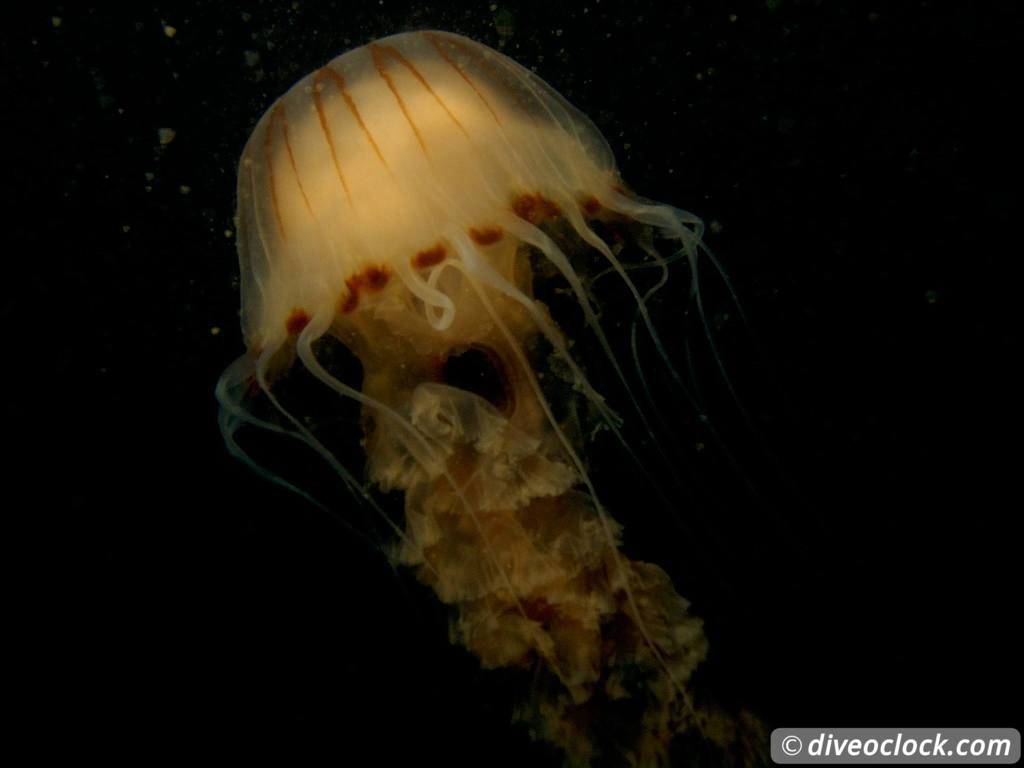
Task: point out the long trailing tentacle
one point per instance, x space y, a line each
584 476
303 433
233 415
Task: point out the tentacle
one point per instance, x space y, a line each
577 463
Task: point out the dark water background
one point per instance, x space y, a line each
856 162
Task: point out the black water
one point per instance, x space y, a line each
855 165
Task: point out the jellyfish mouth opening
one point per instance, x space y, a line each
479 370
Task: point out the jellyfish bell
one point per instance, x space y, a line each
404 201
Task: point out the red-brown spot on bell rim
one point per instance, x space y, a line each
375 278
534 208
430 256
486 235
297 321
370 280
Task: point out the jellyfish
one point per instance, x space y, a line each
402 204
